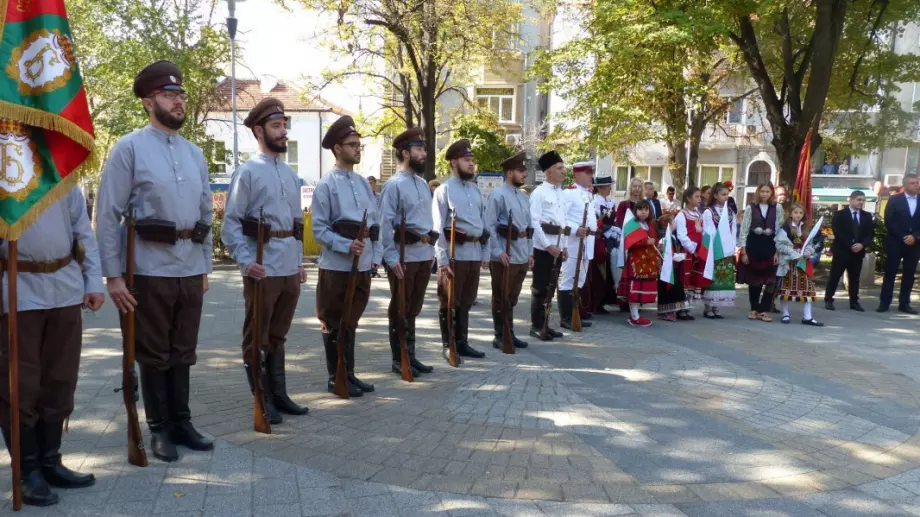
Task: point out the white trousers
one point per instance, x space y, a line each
567 274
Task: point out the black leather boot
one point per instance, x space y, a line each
445 335
274 363
396 350
181 430
564 304
271 412
35 489
537 311
462 333
156 406
410 343
350 357
332 357
499 326
49 435
517 342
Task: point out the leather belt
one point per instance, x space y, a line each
425 238
515 233
552 229
46 266
281 234
463 238
184 234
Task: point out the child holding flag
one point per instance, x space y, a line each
793 242
719 249
689 227
672 301
642 262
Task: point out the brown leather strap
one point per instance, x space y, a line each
281 234
47 266
184 234
551 229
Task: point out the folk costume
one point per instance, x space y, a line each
796 284
547 215
721 292
600 289
575 199
759 228
672 299
689 223
639 283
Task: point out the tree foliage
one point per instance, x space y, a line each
418 50
486 138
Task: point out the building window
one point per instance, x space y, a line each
913 156
622 178
709 175
735 112
291 155
219 157
497 100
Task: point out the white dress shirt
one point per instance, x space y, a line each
546 206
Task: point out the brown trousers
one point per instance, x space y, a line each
466 285
167 317
49 361
330 306
417 274
278 303
518 274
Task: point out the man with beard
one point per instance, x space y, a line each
340 201
504 200
575 199
407 193
547 211
266 186
164 177
460 196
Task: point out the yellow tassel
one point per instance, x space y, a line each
13 231
48 121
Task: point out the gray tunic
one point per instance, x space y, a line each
264 182
505 198
406 191
343 195
51 238
165 177
464 199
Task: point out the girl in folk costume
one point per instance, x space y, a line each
673 304
600 285
796 284
721 292
759 228
642 264
689 225
636 191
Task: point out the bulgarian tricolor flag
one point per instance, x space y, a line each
46 133
667 260
718 242
803 263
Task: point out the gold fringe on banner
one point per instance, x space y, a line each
48 121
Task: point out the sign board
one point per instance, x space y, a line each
539 177
306 196
489 181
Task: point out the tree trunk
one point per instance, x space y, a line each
788 149
428 125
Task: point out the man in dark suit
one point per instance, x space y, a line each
650 196
902 220
853 231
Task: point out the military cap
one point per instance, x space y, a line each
162 75
459 149
267 109
409 138
587 167
549 159
516 162
603 179
341 129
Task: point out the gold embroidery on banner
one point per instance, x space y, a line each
18 157
57 50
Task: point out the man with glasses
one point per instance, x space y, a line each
164 177
341 199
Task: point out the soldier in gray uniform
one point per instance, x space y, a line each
504 200
339 202
460 196
266 185
59 273
165 178
407 193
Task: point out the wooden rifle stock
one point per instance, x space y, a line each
406 367
260 421
136 454
13 341
341 372
452 358
551 289
507 344
576 296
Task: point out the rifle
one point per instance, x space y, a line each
507 344
341 372
260 422
551 289
452 358
405 369
136 454
576 297
13 340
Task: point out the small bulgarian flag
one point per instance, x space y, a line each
46 132
667 262
718 243
803 263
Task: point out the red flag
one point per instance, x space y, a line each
802 192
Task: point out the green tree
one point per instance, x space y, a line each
486 138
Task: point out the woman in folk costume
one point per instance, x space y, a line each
795 283
721 292
643 262
689 225
636 191
759 228
673 304
600 276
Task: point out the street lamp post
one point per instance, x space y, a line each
231 28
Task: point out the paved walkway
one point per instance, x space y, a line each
735 418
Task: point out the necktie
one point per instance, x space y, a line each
855 226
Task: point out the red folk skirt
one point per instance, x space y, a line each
640 276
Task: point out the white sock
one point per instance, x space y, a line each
784 306
806 311
706 307
634 310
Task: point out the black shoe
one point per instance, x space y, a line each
156 405
419 366
445 352
813 323
353 390
49 436
274 363
855 306
829 305
539 335
553 333
882 308
361 385
181 431
410 344
396 367
163 449
497 343
709 315
586 316
517 342
785 320
907 309
461 333
271 412
184 433
465 350
35 489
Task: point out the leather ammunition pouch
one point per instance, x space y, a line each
251 229
530 233
157 230
552 229
298 230
503 232
78 252
414 238
463 238
350 230
200 232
